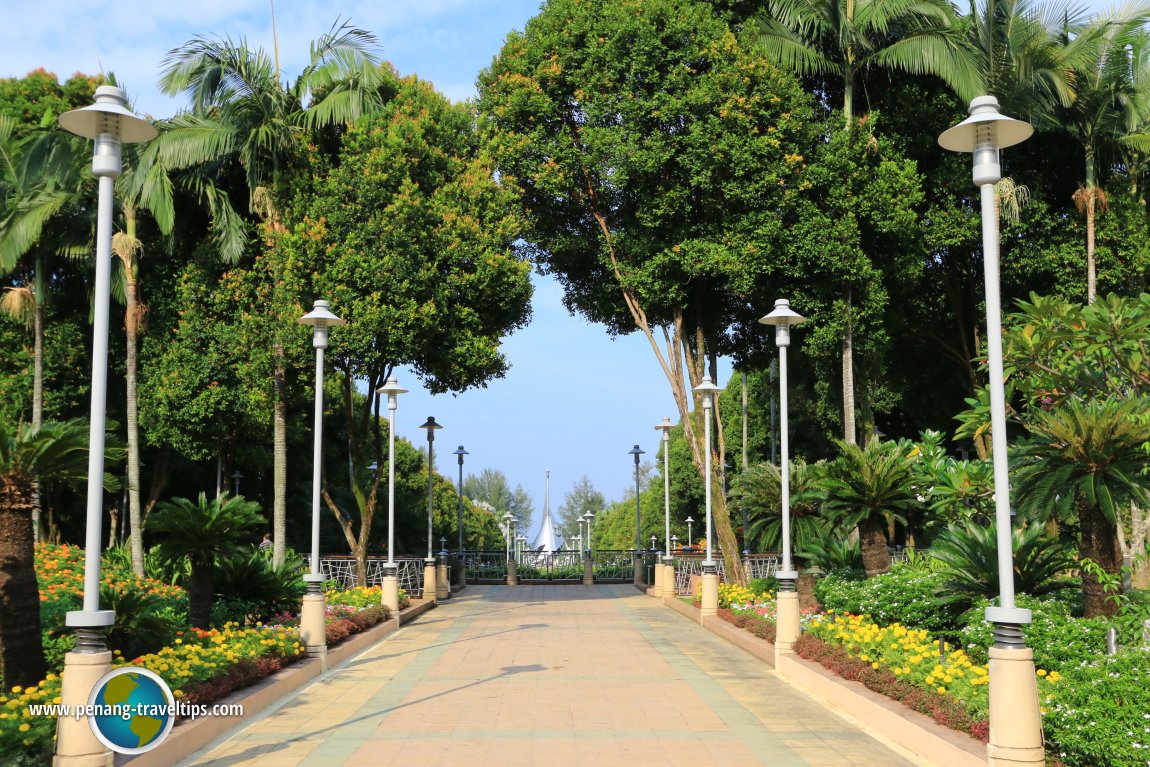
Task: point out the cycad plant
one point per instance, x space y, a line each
832 553
1087 458
758 490
870 487
969 555
203 532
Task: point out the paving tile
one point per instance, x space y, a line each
550 675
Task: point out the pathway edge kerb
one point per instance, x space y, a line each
190 737
884 717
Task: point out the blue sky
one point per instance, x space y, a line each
575 401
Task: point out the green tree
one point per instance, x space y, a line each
242 113
870 487
654 157
843 39
203 532
582 497
52 451
410 238
1088 457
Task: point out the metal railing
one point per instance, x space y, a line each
565 566
613 565
342 569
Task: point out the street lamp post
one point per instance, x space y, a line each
459 453
690 540
1015 717
783 317
391 569
312 617
110 124
430 589
668 567
588 561
512 577
709 604
236 477
636 452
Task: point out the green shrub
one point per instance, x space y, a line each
768 585
250 588
1100 714
905 595
1058 639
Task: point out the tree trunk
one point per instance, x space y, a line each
37 381
848 381
1099 544
1139 528
279 426
873 540
1091 276
20 646
135 520
200 585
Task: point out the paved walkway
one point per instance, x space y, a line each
550 675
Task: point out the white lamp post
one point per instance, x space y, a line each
512 576
636 452
690 540
110 124
709 604
590 515
391 569
430 588
788 601
668 562
311 623
459 453
1015 717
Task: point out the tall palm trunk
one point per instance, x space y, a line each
20 646
1091 276
127 247
873 541
279 459
37 380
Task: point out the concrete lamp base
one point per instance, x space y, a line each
390 598
669 586
1015 718
588 572
76 745
657 586
709 604
313 624
786 622
429 590
442 584
512 578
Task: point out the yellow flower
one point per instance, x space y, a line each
25 727
942 689
874 665
1042 672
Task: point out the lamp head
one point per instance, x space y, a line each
460 452
708 390
392 389
666 427
635 451
111 124
431 427
320 318
782 317
985 132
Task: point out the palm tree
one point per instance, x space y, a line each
871 487
242 113
1087 457
844 38
758 491
203 532
1104 108
56 451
